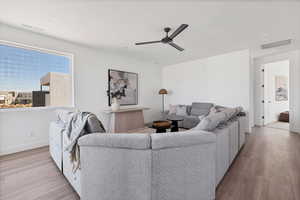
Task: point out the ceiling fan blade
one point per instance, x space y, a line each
176 46
178 30
151 42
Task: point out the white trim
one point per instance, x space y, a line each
292 56
26 109
264 82
70 56
34 48
24 147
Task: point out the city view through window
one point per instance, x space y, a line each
30 78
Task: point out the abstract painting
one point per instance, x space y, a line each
281 88
124 86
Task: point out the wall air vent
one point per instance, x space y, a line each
276 44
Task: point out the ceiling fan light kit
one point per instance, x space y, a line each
168 39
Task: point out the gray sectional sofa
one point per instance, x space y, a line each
170 166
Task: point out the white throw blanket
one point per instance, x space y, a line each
74 128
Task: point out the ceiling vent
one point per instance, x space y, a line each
32 28
276 44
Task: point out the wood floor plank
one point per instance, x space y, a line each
267 168
32 175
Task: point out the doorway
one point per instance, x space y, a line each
276 89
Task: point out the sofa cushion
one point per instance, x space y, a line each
229 112
190 121
188 109
181 139
181 110
200 108
220 108
212 111
210 122
94 125
232 112
117 140
172 109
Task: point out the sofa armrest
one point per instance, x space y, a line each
113 140
181 139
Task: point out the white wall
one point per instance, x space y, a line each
294 77
223 80
272 107
20 130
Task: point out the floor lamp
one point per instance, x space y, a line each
163 92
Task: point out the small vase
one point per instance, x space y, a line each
115 106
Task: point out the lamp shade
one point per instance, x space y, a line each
163 91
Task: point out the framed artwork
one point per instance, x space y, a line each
123 86
281 88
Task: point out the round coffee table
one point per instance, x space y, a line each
175 120
161 126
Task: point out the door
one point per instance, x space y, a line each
276 89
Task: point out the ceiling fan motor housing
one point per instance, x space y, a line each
167 29
166 40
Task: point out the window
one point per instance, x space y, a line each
34 78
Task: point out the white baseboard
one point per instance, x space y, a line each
24 147
295 130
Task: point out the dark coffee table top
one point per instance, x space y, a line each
175 118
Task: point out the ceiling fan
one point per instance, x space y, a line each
168 39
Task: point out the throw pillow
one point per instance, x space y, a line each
238 110
172 109
94 125
181 110
201 117
220 108
230 113
212 111
209 123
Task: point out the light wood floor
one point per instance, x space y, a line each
32 175
268 168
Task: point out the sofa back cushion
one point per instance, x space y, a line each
200 108
117 140
181 139
188 109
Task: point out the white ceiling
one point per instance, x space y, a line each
215 27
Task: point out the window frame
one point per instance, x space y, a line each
70 56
